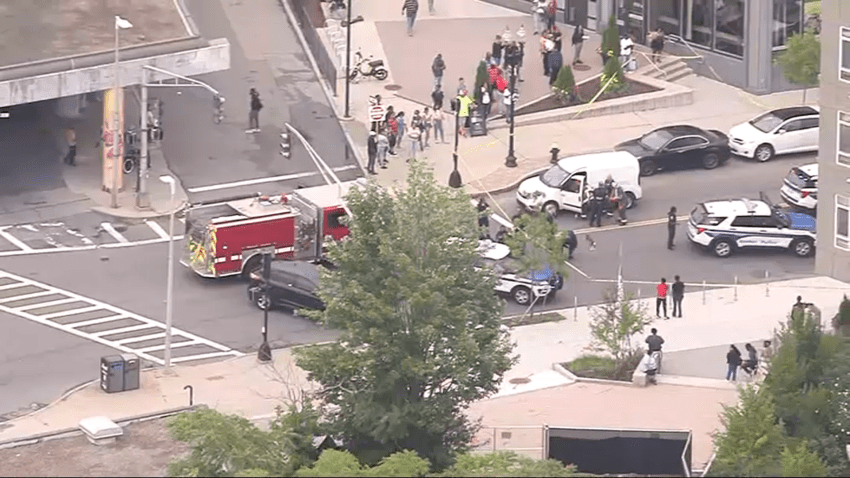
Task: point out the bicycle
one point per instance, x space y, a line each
218 109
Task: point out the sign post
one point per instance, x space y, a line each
377 113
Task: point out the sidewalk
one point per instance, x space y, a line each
245 387
481 160
86 178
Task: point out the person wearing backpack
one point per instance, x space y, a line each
254 113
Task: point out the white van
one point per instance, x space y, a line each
567 184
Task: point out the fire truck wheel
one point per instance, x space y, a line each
251 265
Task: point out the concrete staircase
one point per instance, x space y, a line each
670 68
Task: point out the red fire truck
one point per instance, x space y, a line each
228 237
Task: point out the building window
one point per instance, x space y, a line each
787 20
701 22
667 15
844 139
729 19
845 54
842 222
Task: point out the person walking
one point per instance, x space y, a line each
254 113
671 228
496 51
437 97
551 11
500 84
750 366
578 43
402 126
597 204
678 291
661 298
383 145
539 16
485 101
654 343
438 66
464 103
372 150
733 361
546 46
556 61
570 243
431 9
392 131
71 156
508 100
656 43
618 202
409 8
437 119
626 47
413 137
427 124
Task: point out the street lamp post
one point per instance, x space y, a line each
454 178
264 353
170 292
347 24
510 161
120 24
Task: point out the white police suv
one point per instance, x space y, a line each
523 288
726 226
800 188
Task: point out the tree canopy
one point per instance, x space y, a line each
421 334
800 61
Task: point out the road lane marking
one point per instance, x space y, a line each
251 182
157 229
213 349
106 226
578 270
14 240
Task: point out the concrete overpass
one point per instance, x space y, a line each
64 48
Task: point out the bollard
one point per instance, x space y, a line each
703 292
575 308
736 288
767 284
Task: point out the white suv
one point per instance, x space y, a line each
786 130
800 188
728 225
522 288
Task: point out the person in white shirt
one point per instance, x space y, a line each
485 101
626 49
540 16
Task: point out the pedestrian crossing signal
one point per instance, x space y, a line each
285 145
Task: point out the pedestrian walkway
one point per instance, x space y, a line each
245 387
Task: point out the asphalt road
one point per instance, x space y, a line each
266 55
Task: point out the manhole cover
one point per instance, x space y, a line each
392 87
519 381
580 67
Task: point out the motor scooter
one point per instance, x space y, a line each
367 67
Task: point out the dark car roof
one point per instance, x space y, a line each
304 269
793 112
684 130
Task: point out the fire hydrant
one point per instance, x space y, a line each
554 151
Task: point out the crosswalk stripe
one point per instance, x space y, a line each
14 240
190 358
123 330
13 285
86 323
112 232
48 304
130 340
158 229
26 296
174 345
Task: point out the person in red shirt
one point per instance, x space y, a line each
552 11
661 299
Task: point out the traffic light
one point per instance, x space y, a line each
284 145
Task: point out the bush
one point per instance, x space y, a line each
565 85
843 315
598 366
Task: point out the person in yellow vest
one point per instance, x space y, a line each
464 103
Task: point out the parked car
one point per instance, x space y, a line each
800 188
786 130
522 288
292 284
678 147
725 226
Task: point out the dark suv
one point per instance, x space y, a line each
292 284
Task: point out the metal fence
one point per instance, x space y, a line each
314 42
524 440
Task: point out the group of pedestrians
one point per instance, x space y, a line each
750 365
606 198
676 294
388 135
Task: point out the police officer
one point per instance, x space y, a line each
597 203
571 242
618 200
609 192
483 218
671 228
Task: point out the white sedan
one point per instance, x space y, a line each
786 130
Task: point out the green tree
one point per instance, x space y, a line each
537 243
420 329
800 461
481 79
565 85
800 62
333 463
506 463
841 321
225 445
612 79
752 441
611 38
403 464
614 323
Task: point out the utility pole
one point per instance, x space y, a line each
347 58
142 198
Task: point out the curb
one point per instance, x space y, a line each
68 432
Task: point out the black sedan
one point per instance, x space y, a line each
292 284
678 147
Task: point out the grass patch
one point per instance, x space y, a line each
586 91
598 366
533 319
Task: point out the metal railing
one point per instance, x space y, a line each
323 59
